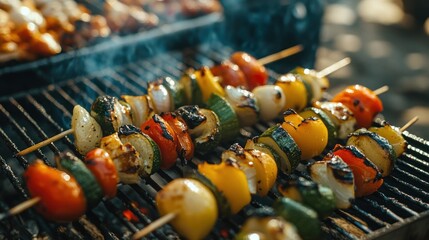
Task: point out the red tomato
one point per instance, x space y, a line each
61 197
256 74
103 168
163 134
230 74
364 104
185 146
367 177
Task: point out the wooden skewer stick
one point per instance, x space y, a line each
45 142
334 67
279 55
154 225
20 208
409 123
381 90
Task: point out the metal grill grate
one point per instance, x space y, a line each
30 118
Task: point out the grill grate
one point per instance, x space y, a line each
30 118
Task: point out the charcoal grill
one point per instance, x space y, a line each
399 210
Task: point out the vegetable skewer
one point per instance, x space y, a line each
21 207
268 59
168 217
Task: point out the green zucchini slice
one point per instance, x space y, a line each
75 167
191 88
283 144
229 125
176 90
304 218
376 148
149 152
311 194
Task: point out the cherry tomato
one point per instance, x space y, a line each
185 146
230 74
256 74
163 134
61 197
364 104
367 177
100 164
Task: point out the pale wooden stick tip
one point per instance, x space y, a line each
280 55
381 90
409 123
24 206
44 143
154 225
334 67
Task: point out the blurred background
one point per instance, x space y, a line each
388 42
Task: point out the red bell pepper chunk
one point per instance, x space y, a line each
367 177
364 104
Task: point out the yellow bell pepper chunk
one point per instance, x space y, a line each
208 83
230 180
294 90
310 134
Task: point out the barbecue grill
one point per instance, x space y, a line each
398 210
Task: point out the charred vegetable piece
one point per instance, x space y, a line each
176 92
149 152
334 173
194 219
165 137
340 115
204 127
256 74
250 144
141 107
318 197
208 83
283 144
271 100
330 126
185 146
75 167
297 93
110 113
310 134
222 176
125 157
161 99
222 203
376 148
364 104
264 224
244 104
61 197
318 84
229 74
259 167
393 136
229 126
192 89
103 168
87 132
305 219
367 177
